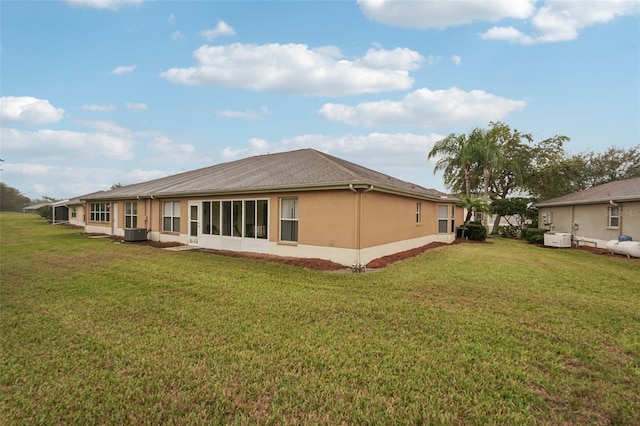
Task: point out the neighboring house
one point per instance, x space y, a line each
300 203
59 212
34 207
595 215
77 209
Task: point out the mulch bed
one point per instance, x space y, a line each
327 265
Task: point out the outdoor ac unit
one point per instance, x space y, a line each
135 234
557 239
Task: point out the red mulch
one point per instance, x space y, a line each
327 265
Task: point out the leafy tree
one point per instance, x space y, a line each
517 211
11 200
555 173
613 164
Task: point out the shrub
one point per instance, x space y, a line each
534 235
476 231
509 231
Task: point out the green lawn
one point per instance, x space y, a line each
100 333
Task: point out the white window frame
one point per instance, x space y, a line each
548 218
216 211
418 212
100 212
443 221
611 217
290 217
131 215
171 214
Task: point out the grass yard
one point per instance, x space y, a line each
507 333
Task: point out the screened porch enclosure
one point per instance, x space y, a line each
235 224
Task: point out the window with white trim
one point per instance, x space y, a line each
289 219
74 212
548 218
443 219
130 215
236 218
418 212
171 216
613 216
99 212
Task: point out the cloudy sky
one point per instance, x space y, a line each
98 92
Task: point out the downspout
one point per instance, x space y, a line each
357 267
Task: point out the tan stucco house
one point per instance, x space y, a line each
301 203
595 215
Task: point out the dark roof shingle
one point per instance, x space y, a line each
628 189
300 169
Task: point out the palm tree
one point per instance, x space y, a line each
456 155
487 154
474 205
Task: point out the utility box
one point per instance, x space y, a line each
135 234
557 239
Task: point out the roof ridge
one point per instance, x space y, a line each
335 162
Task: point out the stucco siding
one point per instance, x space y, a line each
390 218
561 218
326 218
589 223
630 219
343 226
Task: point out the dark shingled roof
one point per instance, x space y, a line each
304 169
628 189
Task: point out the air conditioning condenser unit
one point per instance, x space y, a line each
135 234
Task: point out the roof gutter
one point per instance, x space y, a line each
352 186
592 201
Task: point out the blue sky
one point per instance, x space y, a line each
97 92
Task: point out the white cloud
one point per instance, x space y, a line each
28 110
247 114
104 126
136 107
507 33
176 35
401 155
426 108
57 144
71 181
169 149
123 69
563 20
104 4
456 59
552 20
296 69
221 29
98 108
172 18
442 14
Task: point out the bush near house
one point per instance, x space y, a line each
534 235
476 231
